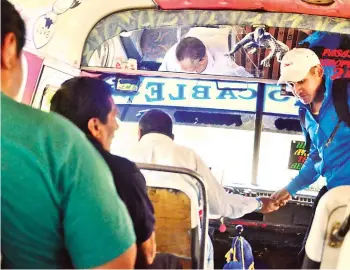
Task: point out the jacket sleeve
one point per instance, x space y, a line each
307 175
220 202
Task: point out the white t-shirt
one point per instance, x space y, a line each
218 64
159 149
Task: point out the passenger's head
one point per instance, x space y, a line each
156 121
88 103
12 43
301 70
192 55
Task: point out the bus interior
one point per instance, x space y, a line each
246 128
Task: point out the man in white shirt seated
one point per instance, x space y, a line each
191 55
156 145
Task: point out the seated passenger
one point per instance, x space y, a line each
59 208
88 103
193 56
156 145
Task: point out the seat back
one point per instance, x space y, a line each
322 248
173 221
178 195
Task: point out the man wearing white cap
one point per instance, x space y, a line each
329 132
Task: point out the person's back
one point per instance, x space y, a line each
131 187
58 201
164 151
88 103
156 146
49 219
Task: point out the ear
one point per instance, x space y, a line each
94 127
319 71
139 133
9 51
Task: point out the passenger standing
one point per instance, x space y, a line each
330 136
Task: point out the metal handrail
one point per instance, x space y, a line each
204 196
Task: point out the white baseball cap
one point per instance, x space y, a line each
296 64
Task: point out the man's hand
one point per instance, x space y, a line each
282 196
269 205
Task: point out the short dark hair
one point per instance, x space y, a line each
190 47
81 98
11 22
156 121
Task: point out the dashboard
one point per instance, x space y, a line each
302 199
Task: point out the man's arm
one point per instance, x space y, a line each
220 202
149 249
124 261
97 228
307 175
142 213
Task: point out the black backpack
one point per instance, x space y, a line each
340 100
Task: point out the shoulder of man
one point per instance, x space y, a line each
186 151
51 127
124 164
121 167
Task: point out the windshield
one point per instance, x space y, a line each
220 125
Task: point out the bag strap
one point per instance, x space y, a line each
340 97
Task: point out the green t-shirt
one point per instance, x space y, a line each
60 207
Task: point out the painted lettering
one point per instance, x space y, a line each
248 94
336 53
338 73
156 90
228 93
347 74
297 166
180 93
302 159
300 145
275 95
342 63
300 152
328 62
325 52
201 92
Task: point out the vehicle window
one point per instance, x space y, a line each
221 120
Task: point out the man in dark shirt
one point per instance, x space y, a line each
87 102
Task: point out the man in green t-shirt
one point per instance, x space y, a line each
58 200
